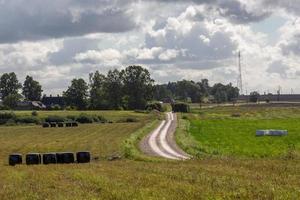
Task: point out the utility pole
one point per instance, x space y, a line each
240 78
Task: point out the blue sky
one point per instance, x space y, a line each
58 40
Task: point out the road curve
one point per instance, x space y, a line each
161 141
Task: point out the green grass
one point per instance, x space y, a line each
219 133
109 115
215 177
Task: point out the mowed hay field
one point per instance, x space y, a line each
207 177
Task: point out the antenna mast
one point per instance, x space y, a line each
240 80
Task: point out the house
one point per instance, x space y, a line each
51 101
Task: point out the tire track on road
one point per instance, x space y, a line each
161 141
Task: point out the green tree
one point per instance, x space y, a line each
113 88
9 84
11 100
98 96
32 90
138 86
77 94
161 92
254 97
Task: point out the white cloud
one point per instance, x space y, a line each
168 55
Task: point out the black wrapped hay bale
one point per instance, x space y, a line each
74 124
49 158
60 124
83 157
33 159
68 124
65 158
46 125
15 159
53 125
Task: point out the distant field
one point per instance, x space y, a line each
231 131
110 115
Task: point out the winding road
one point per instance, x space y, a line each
161 141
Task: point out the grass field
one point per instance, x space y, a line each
230 131
209 177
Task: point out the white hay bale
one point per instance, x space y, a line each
271 132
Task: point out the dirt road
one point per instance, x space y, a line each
161 141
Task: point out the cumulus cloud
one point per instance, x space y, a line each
237 11
58 40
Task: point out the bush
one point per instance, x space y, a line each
7 116
185 117
85 119
155 106
181 107
128 120
101 119
55 107
236 115
54 119
254 97
72 117
28 120
34 113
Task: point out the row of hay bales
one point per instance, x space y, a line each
50 158
59 124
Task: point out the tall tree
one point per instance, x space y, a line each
77 94
98 99
113 89
9 84
32 90
11 100
138 86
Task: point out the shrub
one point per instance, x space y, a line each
7 116
128 120
54 118
181 107
28 120
254 97
72 117
34 113
101 119
185 117
236 115
154 106
55 107
85 119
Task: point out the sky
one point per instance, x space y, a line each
58 40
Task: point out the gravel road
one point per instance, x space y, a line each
161 141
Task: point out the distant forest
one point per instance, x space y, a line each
130 88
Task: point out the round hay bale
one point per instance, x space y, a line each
59 124
53 125
49 158
46 125
15 159
83 157
68 124
33 159
65 157
74 124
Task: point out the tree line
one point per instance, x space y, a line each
130 88
196 92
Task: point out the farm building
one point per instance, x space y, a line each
53 101
30 105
